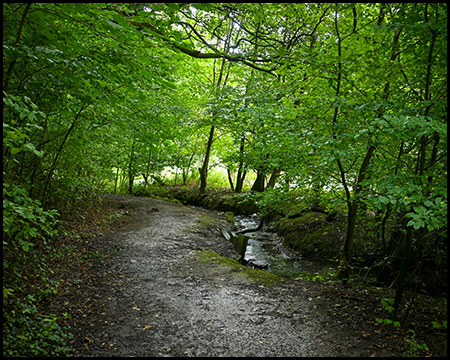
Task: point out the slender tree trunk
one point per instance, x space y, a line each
186 170
122 178
204 169
148 169
18 35
178 164
352 205
240 181
382 272
117 178
240 174
402 279
230 180
130 169
58 154
352 202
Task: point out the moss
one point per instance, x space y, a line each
215 199
229 216
176 201
206 221
312 235
260 276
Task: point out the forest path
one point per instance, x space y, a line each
154 298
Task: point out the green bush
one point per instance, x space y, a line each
27 333
27 230
24 221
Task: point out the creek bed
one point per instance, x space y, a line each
265 250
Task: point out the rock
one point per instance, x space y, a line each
258 264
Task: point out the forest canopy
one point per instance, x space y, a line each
345 103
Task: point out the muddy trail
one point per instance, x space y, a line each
158 296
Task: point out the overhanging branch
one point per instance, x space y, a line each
198 54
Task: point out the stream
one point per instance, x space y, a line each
265 250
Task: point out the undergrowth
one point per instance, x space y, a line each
39 248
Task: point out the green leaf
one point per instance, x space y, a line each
112 23
120 20
144 60
420 223
203 6
29 147
26 245
383 199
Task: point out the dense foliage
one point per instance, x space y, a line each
345 104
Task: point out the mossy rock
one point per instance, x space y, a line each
312 236
216 199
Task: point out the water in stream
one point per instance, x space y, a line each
265 248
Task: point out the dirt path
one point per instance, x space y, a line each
154 298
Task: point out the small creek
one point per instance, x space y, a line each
265 248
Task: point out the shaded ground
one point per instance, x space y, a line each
157 296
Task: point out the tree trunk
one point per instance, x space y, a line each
177 165
343 269
186 170
352 205
148 170
403 276
401 280
204 169
122 178
240 181
230 180
130 170
11 64
275 175
240 174
258 185
117 178
58 154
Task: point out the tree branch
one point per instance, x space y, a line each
18 35
198 54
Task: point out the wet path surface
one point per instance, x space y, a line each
154 298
